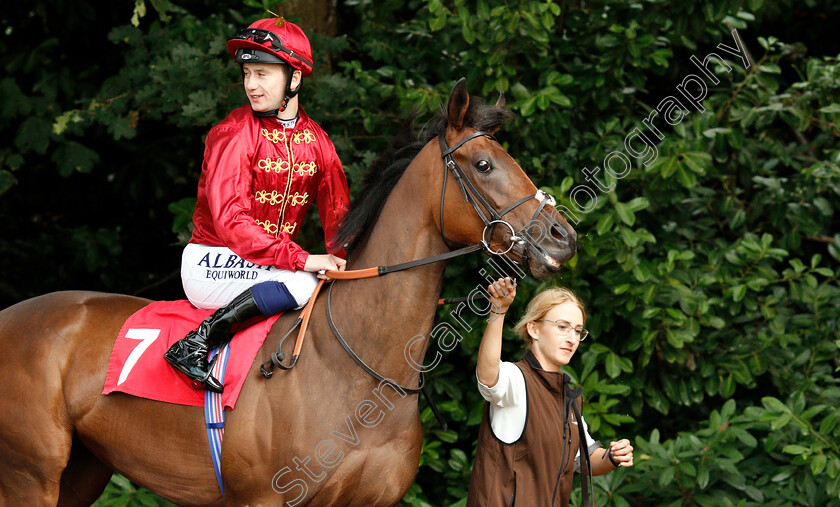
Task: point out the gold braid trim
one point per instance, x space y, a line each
274 198
268 226
304 136
277 165
275 136
302 168
289 227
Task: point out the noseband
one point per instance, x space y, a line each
492 218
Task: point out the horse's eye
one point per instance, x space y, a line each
483 166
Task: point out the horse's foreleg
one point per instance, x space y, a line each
84 479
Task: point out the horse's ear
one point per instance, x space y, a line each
501 101
459 102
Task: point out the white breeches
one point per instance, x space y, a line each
214 275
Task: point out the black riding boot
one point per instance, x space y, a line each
189 355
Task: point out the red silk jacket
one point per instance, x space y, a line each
257 182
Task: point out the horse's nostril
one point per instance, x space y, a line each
558 233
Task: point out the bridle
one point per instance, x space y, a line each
491 218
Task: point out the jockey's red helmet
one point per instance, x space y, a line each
273 40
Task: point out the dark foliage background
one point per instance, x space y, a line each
711 275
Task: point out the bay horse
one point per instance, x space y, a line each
323 433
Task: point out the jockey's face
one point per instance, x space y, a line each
265 84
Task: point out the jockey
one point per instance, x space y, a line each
263 166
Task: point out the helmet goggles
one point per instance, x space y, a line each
261 36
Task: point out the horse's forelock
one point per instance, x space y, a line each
385 171
484 117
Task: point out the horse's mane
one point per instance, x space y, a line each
386 171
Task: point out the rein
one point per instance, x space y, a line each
421 388
472 196
277 357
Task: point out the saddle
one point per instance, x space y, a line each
137 367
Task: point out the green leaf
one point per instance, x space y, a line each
738 292
604 224
33 135
625 214
124 127
628 237
795 449
369 124
818 462
824 206
661 56
555 78
638 204
621 289
829 422
666 476
717 322
183 211
561 100
770 68
782 476
745 438
163 7
437 23
448 436
611 366
702 476
711 133
7 181
73 157
781 421
754 493
528 107
686 178
13 102
64 119
139 12
687 468
833 108
774 404
727 386
668 167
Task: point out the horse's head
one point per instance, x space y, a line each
489 198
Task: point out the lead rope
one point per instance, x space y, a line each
586 465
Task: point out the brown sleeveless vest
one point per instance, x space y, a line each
537 470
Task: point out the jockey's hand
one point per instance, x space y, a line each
622 452
322 262
502 291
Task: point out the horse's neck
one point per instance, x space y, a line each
391 310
